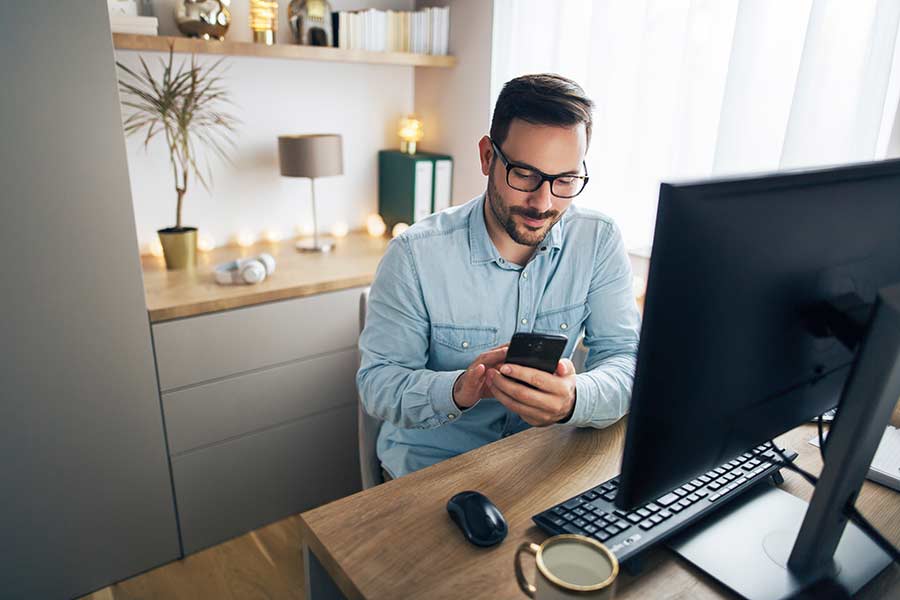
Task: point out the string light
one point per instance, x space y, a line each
155 248
340 229
245 239
375 225
398 229
271 236
206 242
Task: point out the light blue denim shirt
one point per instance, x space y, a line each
442 295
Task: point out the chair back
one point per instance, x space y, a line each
367 425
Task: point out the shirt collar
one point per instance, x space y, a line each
482 249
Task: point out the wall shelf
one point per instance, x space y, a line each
161 43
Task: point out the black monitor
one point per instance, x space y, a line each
749 280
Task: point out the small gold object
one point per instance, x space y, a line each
206 19
264 21
410 132
179 247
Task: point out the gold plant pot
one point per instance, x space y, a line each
179 247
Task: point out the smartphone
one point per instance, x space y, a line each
536 350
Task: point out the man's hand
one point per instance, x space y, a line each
470 386
550 399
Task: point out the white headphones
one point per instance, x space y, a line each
246 270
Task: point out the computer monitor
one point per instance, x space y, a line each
735 346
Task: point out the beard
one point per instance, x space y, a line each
519 232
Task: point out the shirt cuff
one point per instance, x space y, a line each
581 417
441 396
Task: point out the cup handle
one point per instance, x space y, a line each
526 587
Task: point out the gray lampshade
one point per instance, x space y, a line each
315 155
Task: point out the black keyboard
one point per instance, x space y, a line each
627 533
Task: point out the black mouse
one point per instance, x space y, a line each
480 521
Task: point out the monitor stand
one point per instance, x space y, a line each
746 547
749 548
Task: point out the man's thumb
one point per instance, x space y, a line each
565 367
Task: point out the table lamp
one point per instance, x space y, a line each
316 155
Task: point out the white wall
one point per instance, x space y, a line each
455 104
361 102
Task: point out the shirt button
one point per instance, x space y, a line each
564 326
524 321
524 275
501 261
451 416
465 344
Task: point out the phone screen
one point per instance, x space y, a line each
536 350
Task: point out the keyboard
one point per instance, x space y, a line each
627 533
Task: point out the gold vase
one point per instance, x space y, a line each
179 247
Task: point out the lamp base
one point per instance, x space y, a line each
324 245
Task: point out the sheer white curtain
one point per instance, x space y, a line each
693 88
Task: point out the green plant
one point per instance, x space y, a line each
183 105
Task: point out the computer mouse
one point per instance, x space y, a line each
480 520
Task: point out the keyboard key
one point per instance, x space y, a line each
652 507
688 488
614 482
622 525
734 463
693 498
668 499
740 481
714 497
590 528
590 517
676 508
621 513
643 512
590 495
647 524
601 535
569 528
580 523
633 518
573 503
715 485
656 519
558 521
556 510
610 518
705 478
608 486
609 496
664 514
702 493
579 511
680 493
683 504
612 530
721 470
696 483
569 516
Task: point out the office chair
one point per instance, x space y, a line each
367 425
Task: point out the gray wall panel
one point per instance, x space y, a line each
201 348
201 415
230 488
86 494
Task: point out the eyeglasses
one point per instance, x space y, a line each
527 179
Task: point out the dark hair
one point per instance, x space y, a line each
543 99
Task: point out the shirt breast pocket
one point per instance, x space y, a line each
464 338
566 320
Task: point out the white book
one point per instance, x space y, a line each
443 181
422 198
136 21
885 467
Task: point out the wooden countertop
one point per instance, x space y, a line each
395 540
176 294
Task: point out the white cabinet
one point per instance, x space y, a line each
260 412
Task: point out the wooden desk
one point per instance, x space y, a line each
396 540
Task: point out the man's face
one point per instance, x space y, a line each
527 217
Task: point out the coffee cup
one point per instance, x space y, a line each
567 567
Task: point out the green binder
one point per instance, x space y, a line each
412 186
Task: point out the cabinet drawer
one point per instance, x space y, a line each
202 348
228 489
213 412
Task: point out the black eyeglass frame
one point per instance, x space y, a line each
544 177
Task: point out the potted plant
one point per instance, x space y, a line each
183 106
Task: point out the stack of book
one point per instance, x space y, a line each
130 24
425 31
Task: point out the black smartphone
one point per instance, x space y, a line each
536 350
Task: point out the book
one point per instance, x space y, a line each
885 467
412 186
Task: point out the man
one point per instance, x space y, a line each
458 284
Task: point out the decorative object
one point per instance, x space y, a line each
310 22
398 229
410 132
205 243
183 105
312 156
206 19
376 226
264 21
340 230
